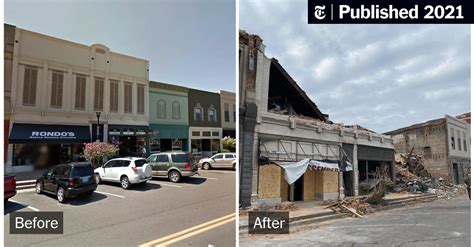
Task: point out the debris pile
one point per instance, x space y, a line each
411 176
355 207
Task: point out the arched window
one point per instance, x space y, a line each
212 114
198 112
161 109
176 110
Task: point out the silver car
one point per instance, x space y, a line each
220 160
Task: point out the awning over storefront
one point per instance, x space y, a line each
162 131
294 170
40 133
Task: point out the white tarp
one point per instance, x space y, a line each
294 170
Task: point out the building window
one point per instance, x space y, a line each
464 141
57 89
80 95
453 142
114 86
176 110
198 112
226 113
140 99
29 86
127 89
458 134
99 94
206 133
427 152
161 109
233 109
196 133
211 114
215 133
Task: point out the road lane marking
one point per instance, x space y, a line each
178 236
25 191
26 205
170 185
109 194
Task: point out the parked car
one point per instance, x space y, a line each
67 181
174 165
126 171
220 160
9 182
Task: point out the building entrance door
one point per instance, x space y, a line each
455 173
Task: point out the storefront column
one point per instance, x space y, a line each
341 186
9 158
355 168
106 132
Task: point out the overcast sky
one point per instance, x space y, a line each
190 43
382 77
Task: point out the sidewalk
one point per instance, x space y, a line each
315 209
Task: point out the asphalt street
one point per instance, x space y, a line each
145 215
438 223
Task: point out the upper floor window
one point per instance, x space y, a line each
161 110
233 112
226 113
29 86
198 112
211 114
57 89
464 141
453 142
99 94
176 110
114 86
458 133
80 94
127 89
140 99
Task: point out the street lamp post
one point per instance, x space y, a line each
97 114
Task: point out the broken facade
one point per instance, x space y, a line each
279 123
443 143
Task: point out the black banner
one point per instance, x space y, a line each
390 12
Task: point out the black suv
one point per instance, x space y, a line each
67 180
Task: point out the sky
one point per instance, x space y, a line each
382 77
188 43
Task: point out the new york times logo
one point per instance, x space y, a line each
319 12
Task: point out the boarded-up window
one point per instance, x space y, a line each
176 110
114 96
161 109
80 95
140 99
464 141
99 94
128 98
29 86
57 89
458 133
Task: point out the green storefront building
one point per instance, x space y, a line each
169 125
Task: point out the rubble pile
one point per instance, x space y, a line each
407 181
353 206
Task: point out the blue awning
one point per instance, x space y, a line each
40 133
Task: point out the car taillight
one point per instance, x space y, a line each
187 166
72 181
134 168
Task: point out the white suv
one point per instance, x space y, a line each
126 171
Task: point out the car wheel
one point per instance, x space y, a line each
97 178
60 195
39 188
206 166
124 182
174 176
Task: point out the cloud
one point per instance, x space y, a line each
380 76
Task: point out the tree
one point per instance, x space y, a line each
96 151
228 144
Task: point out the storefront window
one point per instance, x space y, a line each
196 148
177 144
46 155
216 145
155 145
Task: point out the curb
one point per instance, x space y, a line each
321 217
26 184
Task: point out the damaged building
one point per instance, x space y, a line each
443 143
289 149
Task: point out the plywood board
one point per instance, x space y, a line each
269 179
309 191
284 188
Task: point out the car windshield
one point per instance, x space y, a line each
180 158
140 162
81 171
